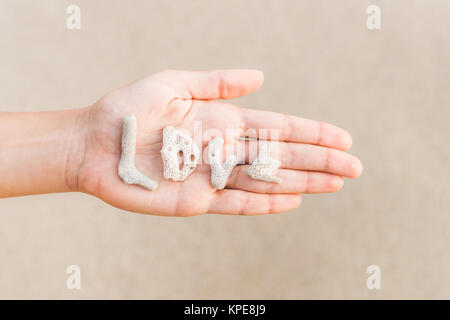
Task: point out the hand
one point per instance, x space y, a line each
311 153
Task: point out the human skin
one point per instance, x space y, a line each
79 150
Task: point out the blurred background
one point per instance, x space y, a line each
389 88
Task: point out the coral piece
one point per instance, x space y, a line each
175 141
263 166
219 172
127 169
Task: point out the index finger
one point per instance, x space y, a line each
294 129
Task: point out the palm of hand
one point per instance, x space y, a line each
178 99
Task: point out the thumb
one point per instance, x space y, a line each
217 84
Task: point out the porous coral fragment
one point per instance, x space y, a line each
219 172
127 169
175 141
264 165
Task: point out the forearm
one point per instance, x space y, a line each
40 152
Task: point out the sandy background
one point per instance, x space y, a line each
389 88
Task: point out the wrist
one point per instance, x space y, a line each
76 151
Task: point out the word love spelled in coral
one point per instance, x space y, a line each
176 142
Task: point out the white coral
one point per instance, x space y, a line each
175 141
264 165
127 169
219 172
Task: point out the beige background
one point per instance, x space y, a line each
389 88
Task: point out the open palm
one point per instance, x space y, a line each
311 153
